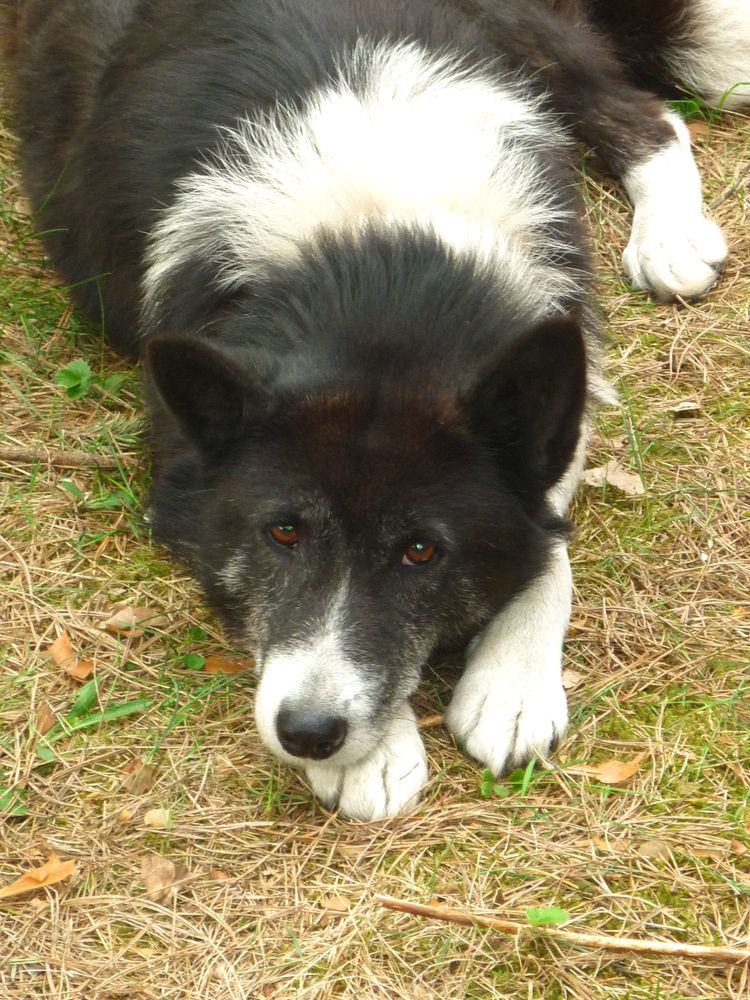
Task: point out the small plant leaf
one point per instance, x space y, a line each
11 802
546 916
76 378
193 661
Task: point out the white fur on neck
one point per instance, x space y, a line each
400 137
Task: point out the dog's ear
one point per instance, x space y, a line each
529 403
213 398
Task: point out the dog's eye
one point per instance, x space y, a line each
418 553
285 534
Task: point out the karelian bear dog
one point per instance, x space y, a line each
346 240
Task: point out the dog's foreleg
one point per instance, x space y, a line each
674 249
387 782
510 702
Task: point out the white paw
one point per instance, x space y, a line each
674 253
506 711
387 782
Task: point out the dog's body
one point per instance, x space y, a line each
347 239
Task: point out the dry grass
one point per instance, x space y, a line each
661 638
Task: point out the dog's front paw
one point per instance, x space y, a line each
671 253
387 782
504 714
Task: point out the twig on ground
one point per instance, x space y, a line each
582 938
62 459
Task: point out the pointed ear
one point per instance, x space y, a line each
212 397
529 404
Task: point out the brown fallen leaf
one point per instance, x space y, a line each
685 409
738 847
571 679
161 877
138 777
697 128
430 721
227 665
62 650
45 720
53 871
335 904
81 670
133 621
613 474
156 818
65 656
218 875
654 849
611 772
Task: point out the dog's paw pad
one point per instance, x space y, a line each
671 256
502 724
387 782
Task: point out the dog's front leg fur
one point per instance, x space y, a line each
510 702
386 782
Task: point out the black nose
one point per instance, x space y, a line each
305 732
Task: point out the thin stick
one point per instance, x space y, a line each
61 459
582 938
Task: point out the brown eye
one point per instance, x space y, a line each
285 534
418 553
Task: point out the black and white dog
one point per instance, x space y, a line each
345 237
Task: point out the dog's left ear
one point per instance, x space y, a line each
529 403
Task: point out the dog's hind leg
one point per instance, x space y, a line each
510 702
674 249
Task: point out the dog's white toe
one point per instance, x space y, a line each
673 255
387 782
504 717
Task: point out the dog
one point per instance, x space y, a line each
346 240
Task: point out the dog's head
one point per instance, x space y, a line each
345 531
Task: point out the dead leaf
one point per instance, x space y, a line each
430 721
62 650
127 621
45 720
53 871
571 679
738 847
138 777
654 849
611 772
335 904
125 815
613 474
217 875
156 818
227 665
80 670
65 656
160 877
697 128
685 409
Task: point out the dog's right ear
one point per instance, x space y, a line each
213 398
